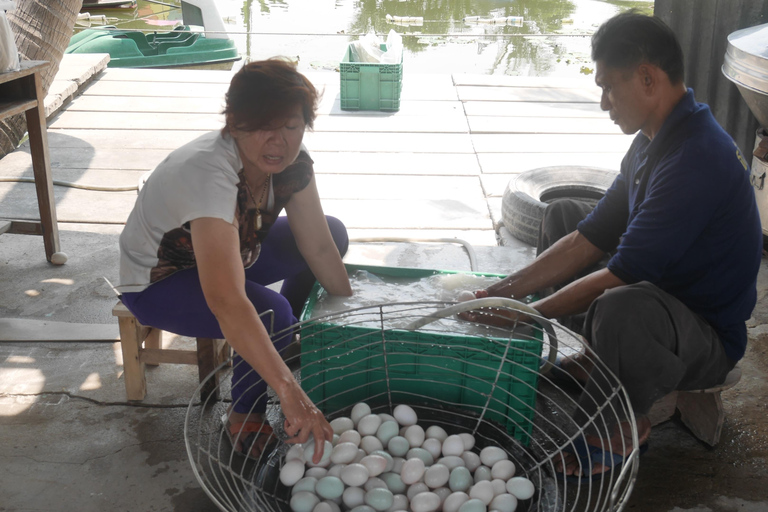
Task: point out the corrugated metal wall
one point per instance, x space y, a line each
703 27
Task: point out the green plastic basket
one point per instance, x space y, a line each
343 364
370 86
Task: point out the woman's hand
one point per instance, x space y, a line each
303 418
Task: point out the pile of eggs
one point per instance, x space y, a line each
383 463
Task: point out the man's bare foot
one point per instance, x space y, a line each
619 444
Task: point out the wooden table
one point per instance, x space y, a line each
22 91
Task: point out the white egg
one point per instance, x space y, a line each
471 460
360 454
354 475
415 436
504 469
400 502
422 454
379 499
329 487
304 501
401 432
316 472
454 501
405 415
353 497
376 464
398 446
375 483
335 439
305 484
473 505
499 486
482 491
425 502
413 470
394 482
451 462
520 487
460 480
482 473
341 425
504 503
295 452
387 430
453 445
465 295
292 472
370 444
359 411
435 432
335 470
434 446
350 436
309 453
436 476
469 441
490 455
415 489
368 425
397 464
386 417
387 457
326 506
343 453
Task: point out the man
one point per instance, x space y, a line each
682 228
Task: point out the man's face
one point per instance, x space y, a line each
623 96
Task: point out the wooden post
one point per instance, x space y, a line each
207 361
133 368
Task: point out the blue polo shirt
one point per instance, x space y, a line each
682 215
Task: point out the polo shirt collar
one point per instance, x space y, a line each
684 108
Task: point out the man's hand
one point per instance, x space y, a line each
495 317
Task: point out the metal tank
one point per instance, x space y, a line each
746 65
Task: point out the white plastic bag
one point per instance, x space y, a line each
9 55
368 48
394 53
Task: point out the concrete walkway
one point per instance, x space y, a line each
72 442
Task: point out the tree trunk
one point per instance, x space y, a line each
42 29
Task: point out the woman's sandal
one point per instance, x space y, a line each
588 455
246 434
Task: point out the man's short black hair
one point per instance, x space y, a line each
629 39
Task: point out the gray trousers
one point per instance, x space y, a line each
650 340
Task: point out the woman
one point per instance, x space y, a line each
204 239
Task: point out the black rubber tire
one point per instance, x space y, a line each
528 194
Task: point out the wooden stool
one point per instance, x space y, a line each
209 355
701 410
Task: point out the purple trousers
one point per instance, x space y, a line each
176 304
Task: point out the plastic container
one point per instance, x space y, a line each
370 86
346 363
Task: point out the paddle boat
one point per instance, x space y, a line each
201 42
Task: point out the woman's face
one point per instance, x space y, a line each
271 151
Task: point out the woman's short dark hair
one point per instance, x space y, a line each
630 38
265 91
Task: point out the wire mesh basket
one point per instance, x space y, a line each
493 383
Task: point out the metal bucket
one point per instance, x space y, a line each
746 65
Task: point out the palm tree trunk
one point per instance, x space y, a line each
42 29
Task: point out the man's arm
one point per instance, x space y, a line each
566 258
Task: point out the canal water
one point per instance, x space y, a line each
552 40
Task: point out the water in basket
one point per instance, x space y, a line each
494 387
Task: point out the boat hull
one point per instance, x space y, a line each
176 49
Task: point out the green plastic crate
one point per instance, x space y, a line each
345 364
370 86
